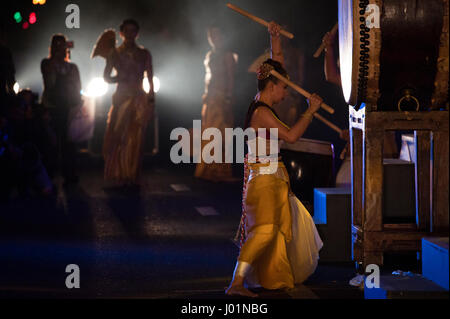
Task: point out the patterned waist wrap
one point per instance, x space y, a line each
264 198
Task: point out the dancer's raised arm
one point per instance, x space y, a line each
275 43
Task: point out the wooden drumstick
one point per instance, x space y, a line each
258 20
303 92
328 123
322 46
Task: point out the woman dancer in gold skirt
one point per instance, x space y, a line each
131 109
217 109
280 243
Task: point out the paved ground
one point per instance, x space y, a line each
171 239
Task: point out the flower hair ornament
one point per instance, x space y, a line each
263 71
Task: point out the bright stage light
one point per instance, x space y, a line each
97 87
16 87
156 84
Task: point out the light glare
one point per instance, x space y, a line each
16 87
156 84
97 87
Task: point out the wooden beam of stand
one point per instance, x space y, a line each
258 20
322 46
303 92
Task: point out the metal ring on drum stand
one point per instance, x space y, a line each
408 97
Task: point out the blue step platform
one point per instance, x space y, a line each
435 260
332 216
404 287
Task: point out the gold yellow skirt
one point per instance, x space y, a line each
124 137
277 221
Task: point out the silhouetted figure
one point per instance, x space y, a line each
62 87
33 125
7 72
21 163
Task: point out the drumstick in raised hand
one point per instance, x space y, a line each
303 92
322 46
258 20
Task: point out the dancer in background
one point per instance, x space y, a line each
217 111
131 109
62 87
280 243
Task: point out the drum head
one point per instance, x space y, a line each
348 57
394 54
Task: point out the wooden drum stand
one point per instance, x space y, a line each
371 237
388 61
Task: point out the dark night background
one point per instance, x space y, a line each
175 33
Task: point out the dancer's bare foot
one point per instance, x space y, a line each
240 291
